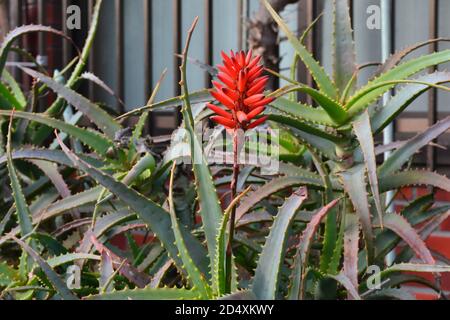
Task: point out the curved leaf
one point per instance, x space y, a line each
20 31
54 278
305 246
400 226
198 281
403 98
148 294
155 216
302 111
267 274
56 156
96 114
93 139
400 156
344 55
402 71
414 178
355 186
351 241
300 125
70 257
363 132
396 57
304 177
318 73
222 244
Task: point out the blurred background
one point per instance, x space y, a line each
138 39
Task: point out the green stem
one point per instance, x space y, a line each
233 186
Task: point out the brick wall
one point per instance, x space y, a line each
438 241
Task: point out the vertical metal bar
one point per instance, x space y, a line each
305 16
15 11
176 43
41 57
432 96
388 133
41 35
119 52
176 16
65 43
208 7
91 58
148 47
240 29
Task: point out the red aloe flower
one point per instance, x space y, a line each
240 91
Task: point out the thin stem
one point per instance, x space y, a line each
233 186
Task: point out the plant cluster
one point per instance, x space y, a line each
313 231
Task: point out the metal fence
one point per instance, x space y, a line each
132 68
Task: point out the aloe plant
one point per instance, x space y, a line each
311 231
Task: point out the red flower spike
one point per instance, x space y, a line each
258 86
241 90
248 57
223 98
255 112
219 111
262 102
227 123
252 99
242 117
257 122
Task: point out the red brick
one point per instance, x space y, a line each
119 241
440 242
421 191
445 279
404 194
445 226
441 195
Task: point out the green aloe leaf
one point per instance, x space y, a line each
400 156
209 204
54 278
347 283
56 156
297 288
148 294
222 244
414 178
333 108
351 241
96 114
355 186
151 213
70 258
267 274
320 76
300 125
396 57
15 88
10 100
195 97
401 227
403 98
363 132
91 138
194 275
302 111
22 209
344 55
401 72
20 31
303 177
